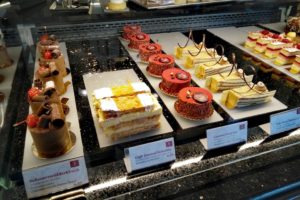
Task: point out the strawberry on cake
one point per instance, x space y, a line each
57 57
194 103
146 50
173 80
158 63
135 40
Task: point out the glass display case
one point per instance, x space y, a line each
212 160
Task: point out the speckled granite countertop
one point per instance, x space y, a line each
232 173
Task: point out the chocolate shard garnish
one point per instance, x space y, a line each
56 53
181 76
49 91
57 116
64 100
200 97
40 98
66 109
44 121
44 110
38 83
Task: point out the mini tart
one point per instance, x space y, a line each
194 103
130 29
173 80
146 50
158 63
137 39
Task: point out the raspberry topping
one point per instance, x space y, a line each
32 120
33 92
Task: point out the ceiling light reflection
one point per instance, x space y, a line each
107 184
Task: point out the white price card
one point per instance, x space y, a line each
55 177
284 121
150 154
226 135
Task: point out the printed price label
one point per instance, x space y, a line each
150 154
284 121
56 177
226 135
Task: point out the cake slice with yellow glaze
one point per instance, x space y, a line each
244 96
287 55
220 82
211 68
208 55
295 69
183 52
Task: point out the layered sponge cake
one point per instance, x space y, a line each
126 110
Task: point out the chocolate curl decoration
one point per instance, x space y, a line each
39 98
234 66
57 116
64 100
215 52
191 37
38 83
53 69
66 109
49 91
44 121
45 109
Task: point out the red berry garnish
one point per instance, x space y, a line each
275 36
285 40
265 32
33 92
298 46
32 120
48 55
44 37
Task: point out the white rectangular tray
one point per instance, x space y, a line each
29 160
113 78
169 101
277 26
237 37
169 41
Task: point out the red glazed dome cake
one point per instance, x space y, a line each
158 63
174 80
135 40
146 50
130 30
194 103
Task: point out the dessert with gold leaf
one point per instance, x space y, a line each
247 95
126 110
225 81
211 68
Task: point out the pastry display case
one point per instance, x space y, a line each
163 101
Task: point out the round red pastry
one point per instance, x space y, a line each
137 39
174 80
146 50
130 30
158 63
194 103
